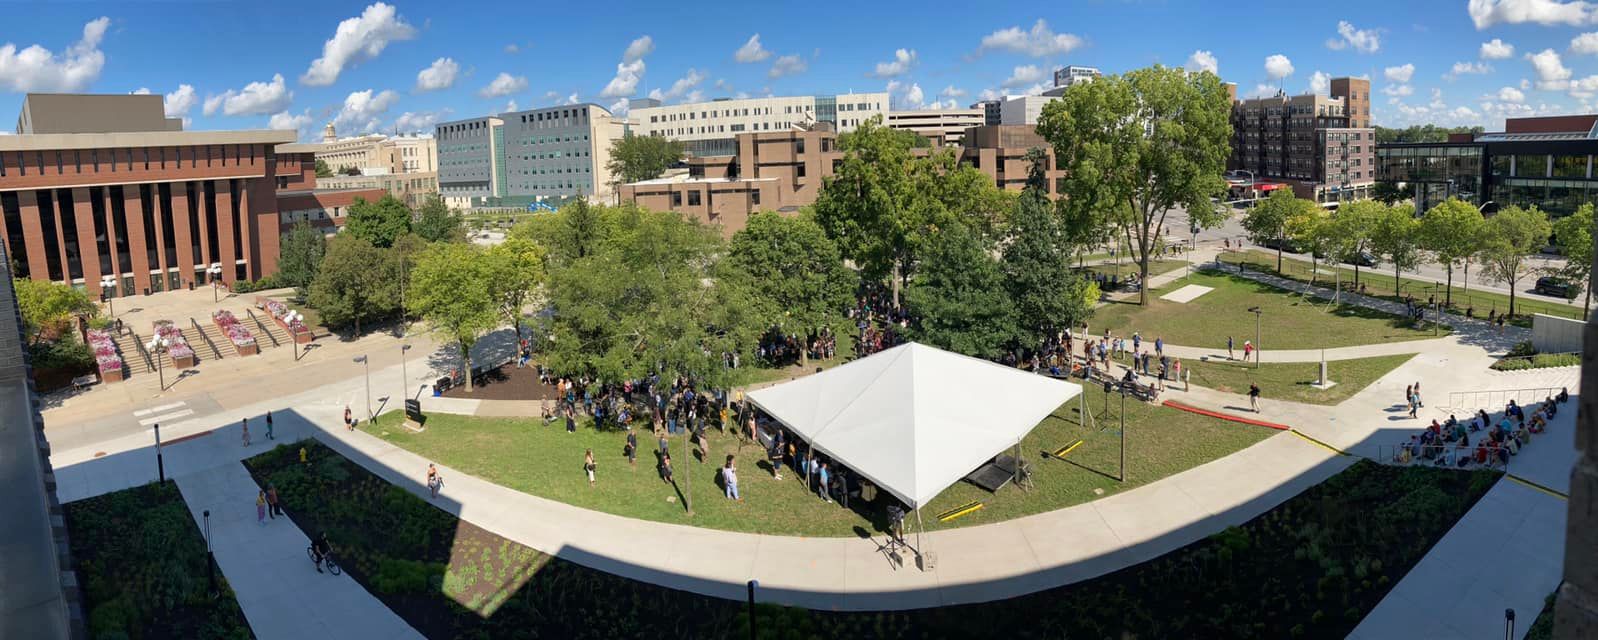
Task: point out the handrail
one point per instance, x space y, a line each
206 338
139 344
263 328
1494 397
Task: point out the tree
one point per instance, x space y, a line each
1267 221
793 270
378 223
1451 231
1388 193
1138 145
350 171
436 223
635 158
300 256
1507 239
355 283
1573 236
47 308
1421 133
1351 226
574 232
957 300
321 169
451 288
1309 229
515 269
1395 235
1036 262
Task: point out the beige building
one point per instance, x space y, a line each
1321 145
411 188
93 113
1000 152
711 128
941 126
378 154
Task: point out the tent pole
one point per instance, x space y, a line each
919 527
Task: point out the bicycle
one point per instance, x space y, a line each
327 560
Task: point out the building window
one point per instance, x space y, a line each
693 199
676 198
754 197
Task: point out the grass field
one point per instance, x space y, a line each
1288 321
1292 381
527 456
1156 267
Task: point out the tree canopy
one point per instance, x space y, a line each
1395 235
1508 239
300 255
634 157
958 299
793 270
1573 236
378 223
1268 221
515 269
451 288
355 283
1421 133
47 308
322 171
436 223
1036 261
1452 232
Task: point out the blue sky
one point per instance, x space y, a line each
381 67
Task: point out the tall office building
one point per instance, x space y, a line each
991 111
560 152
941 126
1072 74
1322 146
710 128
470 157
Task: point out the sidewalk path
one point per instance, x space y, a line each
279 590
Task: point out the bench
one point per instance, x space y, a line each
84 382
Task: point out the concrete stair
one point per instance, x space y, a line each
211 341
132 357
267 332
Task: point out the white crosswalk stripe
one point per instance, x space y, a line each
164 407
165 417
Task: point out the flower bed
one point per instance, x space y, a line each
243 341
286 318
176 345
106 357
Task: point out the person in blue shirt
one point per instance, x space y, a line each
821 472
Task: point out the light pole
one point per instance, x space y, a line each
160 463
107 283
157 346
210 556
215 273
367 368
1257 313
406 378
1123 432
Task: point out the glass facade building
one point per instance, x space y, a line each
1550 170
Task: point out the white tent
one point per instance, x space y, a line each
915 419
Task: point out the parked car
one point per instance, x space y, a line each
1287 245
1557 288
1363 259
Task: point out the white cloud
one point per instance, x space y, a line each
1023 75
752 51
511 106
1525 84
637 49
362 110
620 107
1463 113
572 99
1486 13
1277 66
36 68
787 66
424 121
288 121
1496 49
1398 90
512 48
684 86
1262 91
1467 68
1203 60
255 99
178 103
1363 40
906 96
903 59
1319 82
503 85
357 40
439 75
1511 94
1437 99
1038 42
914 96
630 70
1585 43
989 94
1552 75
952 92
1401 73
141 91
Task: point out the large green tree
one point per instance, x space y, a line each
634 157
1573 236
1350 229
451 289
574 232
1047 295
1396 237
355 284
322 171
47 308
1267 221
436 223
793 270
515 270
958 300
380 222
1137 145
1508 239
1309 228
300 255
1451 231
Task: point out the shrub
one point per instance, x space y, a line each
400 576
1522 349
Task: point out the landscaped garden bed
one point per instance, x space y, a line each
176 345
107 359
243 341
289 319
141 565
1310 568
1524 356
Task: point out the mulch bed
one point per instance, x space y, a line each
508 382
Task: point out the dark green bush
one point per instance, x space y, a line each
1522 349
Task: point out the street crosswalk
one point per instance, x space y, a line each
163 413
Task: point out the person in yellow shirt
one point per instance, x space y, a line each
302 455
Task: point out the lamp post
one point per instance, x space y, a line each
1123 432
406 378
210 556
752 585
157 346
1257 313
367 368
107 284
1509 624
160 463
215 273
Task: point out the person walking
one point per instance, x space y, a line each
433 481
821 473
632 448
349 419
729 475
273 509
1248 349
269 435
1159 346
1229 347
1418 401
588 466
245 426
665 469
1254 397
260 508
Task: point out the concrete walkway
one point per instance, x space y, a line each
278 588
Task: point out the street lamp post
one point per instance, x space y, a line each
1123 433
215 273
1257 313
210 556
157 346
405 377
106 283
160 463
367 368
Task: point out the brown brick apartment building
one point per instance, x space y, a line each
1323 146
97 186
783 170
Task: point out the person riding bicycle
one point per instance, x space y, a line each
320 549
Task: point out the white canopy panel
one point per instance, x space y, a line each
915 419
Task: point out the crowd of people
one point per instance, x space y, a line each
780 349
1449 443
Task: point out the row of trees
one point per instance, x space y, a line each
1454 233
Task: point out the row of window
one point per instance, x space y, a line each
127 158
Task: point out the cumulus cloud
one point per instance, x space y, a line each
1585 43
906 96
1398 90
1552 74
1037 42
1203 60
1468 68
1277 66
510 105
292 122
989 94
1362 40
1319 82
787 66
357 40
36 68
255 99
1262 90
1023 75
178 103
362 110
684 86
952 92
1401 73
503 85
903 59
752 51
1510 94
439 75
512 48
1486 13
620 107
637 49
424 121
1496 49
630 70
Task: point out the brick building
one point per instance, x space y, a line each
132 199
1323 146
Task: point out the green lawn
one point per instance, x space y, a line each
1380 284
1156 267
1288 321
546 461
1291 380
